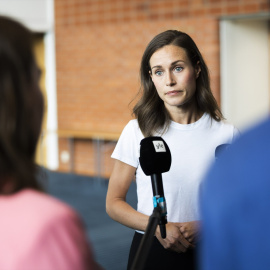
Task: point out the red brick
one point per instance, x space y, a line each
98 50
251 8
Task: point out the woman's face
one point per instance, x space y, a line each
174 76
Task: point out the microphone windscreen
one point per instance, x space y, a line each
155 156
220 149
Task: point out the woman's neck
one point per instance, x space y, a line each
186 115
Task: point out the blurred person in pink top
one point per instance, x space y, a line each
36 230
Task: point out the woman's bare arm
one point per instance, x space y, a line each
116 205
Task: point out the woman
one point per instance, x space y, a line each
37 231
177 104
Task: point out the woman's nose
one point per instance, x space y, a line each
170 81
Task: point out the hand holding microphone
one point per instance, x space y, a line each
155 159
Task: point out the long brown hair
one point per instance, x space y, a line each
20 99
150 110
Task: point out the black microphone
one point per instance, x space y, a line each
155 159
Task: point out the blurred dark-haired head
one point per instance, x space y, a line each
21 107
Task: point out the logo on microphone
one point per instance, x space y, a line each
159 146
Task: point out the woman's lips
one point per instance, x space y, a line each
174 92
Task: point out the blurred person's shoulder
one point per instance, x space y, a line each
255 139
260 131
46 204
29 203
247 155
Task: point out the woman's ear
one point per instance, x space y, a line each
198 69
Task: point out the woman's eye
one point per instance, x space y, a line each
158 72
178 69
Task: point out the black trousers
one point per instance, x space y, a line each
161 258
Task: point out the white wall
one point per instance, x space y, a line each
244 70
35 14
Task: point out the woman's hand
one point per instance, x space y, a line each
174 238
190 231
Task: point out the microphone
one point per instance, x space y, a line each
155 159
221 148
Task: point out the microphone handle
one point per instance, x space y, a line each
162 228
159 201
157 185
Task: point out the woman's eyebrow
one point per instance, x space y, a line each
173 63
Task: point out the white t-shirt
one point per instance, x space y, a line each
192 148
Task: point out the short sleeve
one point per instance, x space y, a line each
127 148
236 133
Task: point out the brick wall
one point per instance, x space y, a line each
99 44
